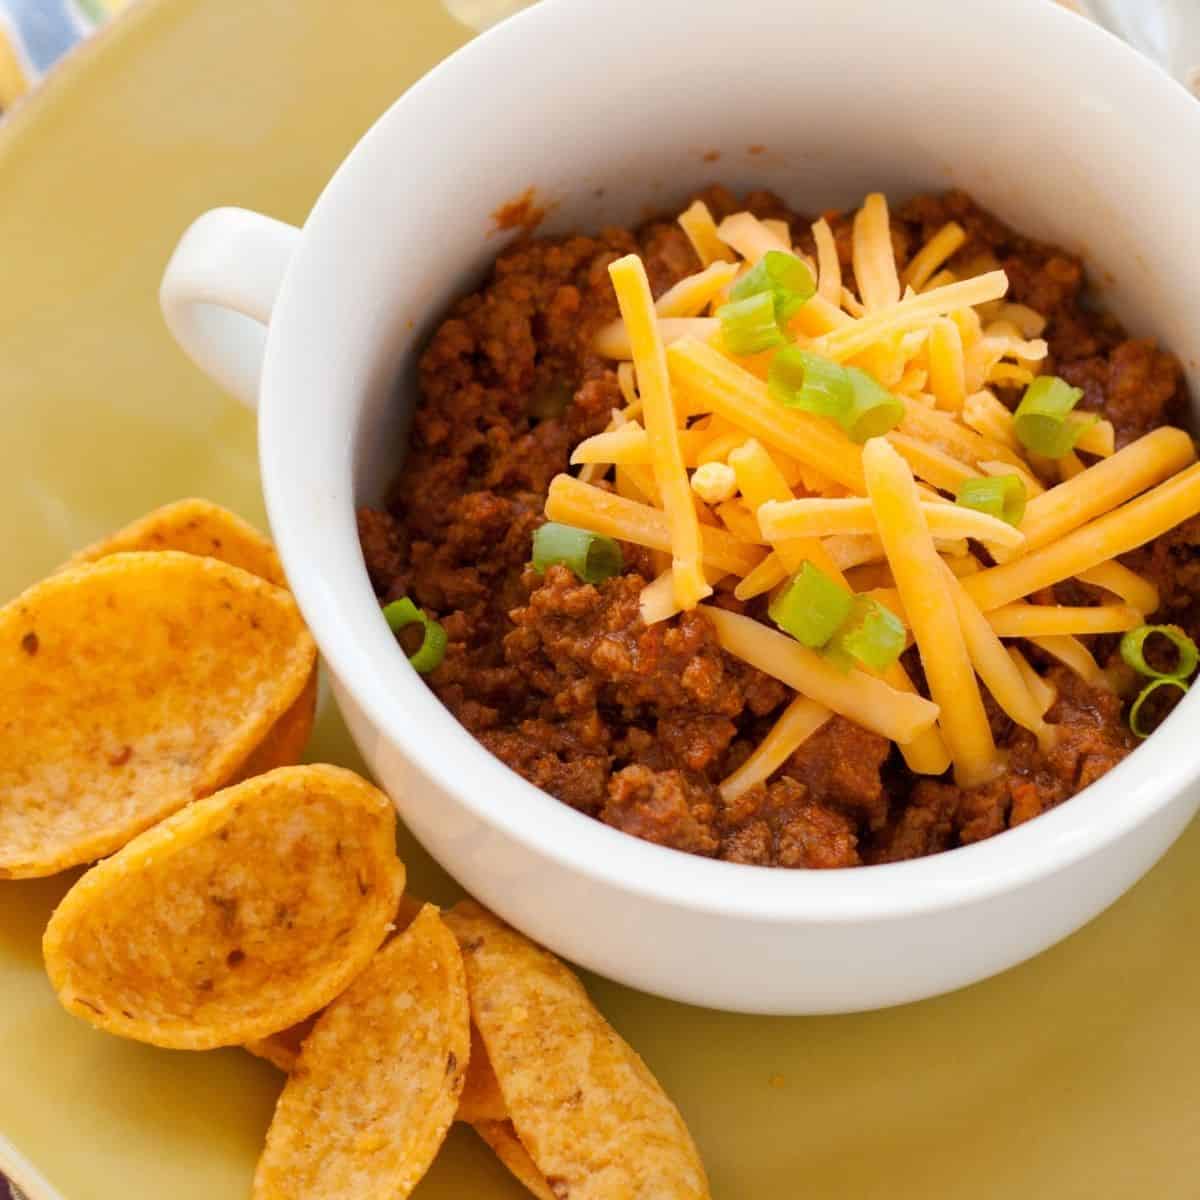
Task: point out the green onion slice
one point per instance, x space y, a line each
862 406
812 607
402 613
873 635
783 275
750 326
1000 496
1135 713
1040 421
800 379
1133 651
874 409
592 556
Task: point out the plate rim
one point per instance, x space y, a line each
44 93
24 1174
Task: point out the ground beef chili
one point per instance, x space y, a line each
635 726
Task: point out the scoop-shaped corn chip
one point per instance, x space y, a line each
201 527
507 1147
481 1099
234 918
193 527
284 744
282 1049
370 1101
585 1106
130 687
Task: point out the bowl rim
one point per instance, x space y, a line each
377 677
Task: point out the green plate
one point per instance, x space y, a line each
1073 1076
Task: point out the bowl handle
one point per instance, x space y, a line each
218 291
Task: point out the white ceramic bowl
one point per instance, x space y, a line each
607 108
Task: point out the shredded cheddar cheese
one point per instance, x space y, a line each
947 369
733 484
1044 692
821 518
1117 532
1052 620
649 358
749 237
1127 585
761 482
769 573
1074 654
1105 485
854 694
713 383
873 256
797 723
927 599
829 266
697 222
929 259
589 507
614 341
691 296
993 665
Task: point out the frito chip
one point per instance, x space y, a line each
128 688
481 1099
201 527
502 1138
282 1049
370 1101
285 741
585 1106
193 527
234 918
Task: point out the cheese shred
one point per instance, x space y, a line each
662 424
728 472
921 581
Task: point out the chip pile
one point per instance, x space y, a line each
158 691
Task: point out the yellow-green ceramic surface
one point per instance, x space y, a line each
1075 1076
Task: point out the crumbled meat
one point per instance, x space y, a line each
556 759
780 824
671 808
1136 386
841 763
925 825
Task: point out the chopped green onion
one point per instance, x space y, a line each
750 326
874 409
1040 421
1000 496
1133 651
428 656
811 608
1135 713
783 275
862 406
402 613
592 556
873 635
800 379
